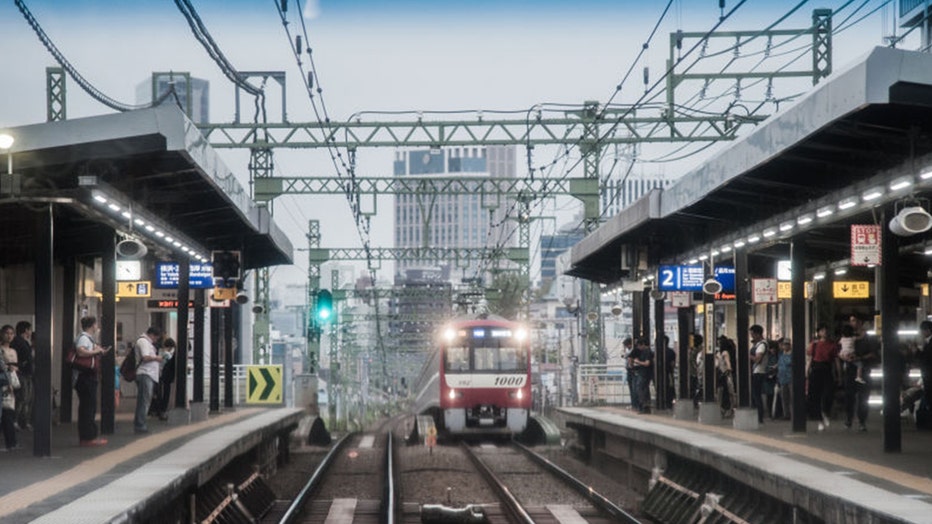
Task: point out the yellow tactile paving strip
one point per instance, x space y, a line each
100 464
907 480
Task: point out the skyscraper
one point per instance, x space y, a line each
474 220
191 94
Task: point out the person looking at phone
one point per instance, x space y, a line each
147 375
85 383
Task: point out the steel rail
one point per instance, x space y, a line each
512 506
597 499
291 515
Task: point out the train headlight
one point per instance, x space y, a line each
520 334
449 334
520 394
452 394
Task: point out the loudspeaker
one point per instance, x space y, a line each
711 287
910 221
131 249
616 309
242 298
656 294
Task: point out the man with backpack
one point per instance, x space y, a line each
147 375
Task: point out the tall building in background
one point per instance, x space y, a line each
552 246
454 221
193 94
619 194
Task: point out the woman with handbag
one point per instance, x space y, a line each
85 373
8 365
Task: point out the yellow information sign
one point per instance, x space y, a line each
264 384
851 289
785 290
224 293
142 288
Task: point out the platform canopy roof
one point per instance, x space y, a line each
154 166
865 128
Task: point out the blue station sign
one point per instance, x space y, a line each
201 276
690 278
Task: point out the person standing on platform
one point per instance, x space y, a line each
166 378
670 372
924 359
22 343
823 358
695 367
11 384
85 383
785 377
147 375
758 369
630 372
643 361
725 386
867 351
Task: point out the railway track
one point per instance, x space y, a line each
371 478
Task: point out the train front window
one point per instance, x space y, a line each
505 358
456 359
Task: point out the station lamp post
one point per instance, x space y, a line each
6 142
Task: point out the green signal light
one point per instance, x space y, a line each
324 305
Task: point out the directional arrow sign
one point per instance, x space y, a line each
851 289
264 385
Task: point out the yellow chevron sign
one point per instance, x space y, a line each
264 384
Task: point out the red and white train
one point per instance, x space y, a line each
478 379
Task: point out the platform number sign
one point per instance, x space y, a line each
263 384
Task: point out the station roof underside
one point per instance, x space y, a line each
154 159
861 128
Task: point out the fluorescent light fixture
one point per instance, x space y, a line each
769 232
847 203
127 215
159 233
114 207
786 226
6 141
841 271
753 239
139 222
150 228
825 211
693 261
872 194
703 257
716 252
168 239
805 219
928 250
100 198
926 173
901 183
726 248
818 276
739 244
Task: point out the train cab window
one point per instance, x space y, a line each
456 359
511 359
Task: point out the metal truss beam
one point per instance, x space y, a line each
516 254
270 187
446 133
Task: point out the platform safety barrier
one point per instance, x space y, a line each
602 384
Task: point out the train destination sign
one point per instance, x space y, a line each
201 276
690 278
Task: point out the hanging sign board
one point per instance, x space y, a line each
865 245
763 290
680 298
851 289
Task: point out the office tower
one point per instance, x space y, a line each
191 94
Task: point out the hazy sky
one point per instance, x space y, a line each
374 56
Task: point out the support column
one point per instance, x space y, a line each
798 321
216 338
69 293
181 351
228 357
44 337
742 324
200 297
682 336
890 341
108 337
660 358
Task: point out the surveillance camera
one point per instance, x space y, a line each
616 309
242 298
257 310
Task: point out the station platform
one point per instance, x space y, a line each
117 481
836 467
